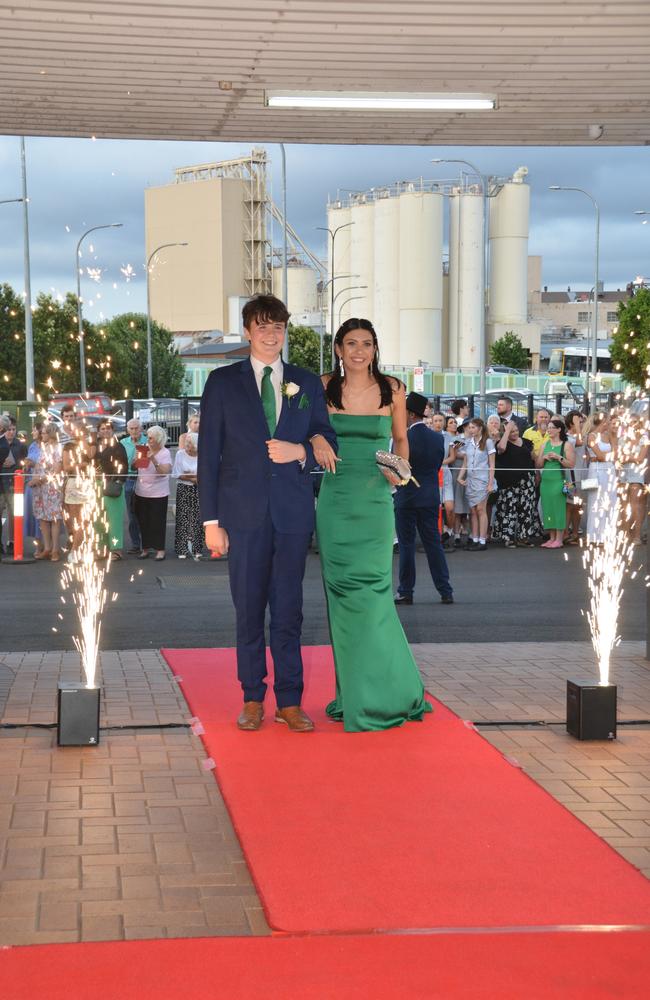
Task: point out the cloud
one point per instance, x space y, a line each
78 183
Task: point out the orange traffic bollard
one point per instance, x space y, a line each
19 514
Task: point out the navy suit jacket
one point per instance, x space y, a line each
238 484
426 454
19 450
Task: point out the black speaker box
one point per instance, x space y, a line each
591 710
78 715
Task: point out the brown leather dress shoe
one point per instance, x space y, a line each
294 717
251 715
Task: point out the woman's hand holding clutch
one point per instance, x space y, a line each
395 468
391 477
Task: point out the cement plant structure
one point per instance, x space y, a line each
388 257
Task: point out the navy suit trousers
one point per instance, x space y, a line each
266 567
425 519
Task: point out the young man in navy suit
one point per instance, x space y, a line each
259 418
418 507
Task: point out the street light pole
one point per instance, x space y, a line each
482 347
149 355
30 381
594 318
322 332
285 273
29 343
348 288
352 298
326 229
80 329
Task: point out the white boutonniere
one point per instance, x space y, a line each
289 389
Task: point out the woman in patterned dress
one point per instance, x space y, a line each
189 535
46 485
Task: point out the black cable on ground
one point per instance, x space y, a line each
102 729
531 723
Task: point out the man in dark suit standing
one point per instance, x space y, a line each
258 420
418 507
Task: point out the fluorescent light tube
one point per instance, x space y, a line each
360 101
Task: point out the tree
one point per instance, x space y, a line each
509 350
12 344
126 336
56 345
56 348
115 353
630 347
304 348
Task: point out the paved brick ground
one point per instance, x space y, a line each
132 839
607 785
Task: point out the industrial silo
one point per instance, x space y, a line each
454 272
466 249
385 313
302 295
509 215
362 265
420 277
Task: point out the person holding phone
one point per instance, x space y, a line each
152 493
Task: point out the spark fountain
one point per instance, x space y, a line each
591 708
83 577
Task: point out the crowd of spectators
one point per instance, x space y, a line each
562 480
80 481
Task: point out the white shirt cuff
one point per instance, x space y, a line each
209 522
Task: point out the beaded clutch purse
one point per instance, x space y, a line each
397 465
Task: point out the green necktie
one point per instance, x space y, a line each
268 400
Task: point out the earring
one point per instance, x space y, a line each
341 368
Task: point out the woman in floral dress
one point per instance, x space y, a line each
47 493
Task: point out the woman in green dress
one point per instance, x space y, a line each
113 466
557 455
378 685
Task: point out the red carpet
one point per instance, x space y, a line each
420 827
449 967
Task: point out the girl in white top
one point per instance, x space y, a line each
189 536
447 492
632 453
575 421
477 473
602 504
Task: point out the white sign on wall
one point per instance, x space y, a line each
418 379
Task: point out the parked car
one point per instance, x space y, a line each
90 402
91 419
501 370
165 412
640 407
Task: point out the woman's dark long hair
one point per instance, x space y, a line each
334 389
561 427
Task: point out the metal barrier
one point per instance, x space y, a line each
526 406
171 414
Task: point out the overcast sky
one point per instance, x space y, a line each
78 183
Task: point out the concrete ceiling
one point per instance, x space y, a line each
156 70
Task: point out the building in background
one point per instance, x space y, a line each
303 295
509 215
221 210
387 267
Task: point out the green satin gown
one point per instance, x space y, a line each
378 685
